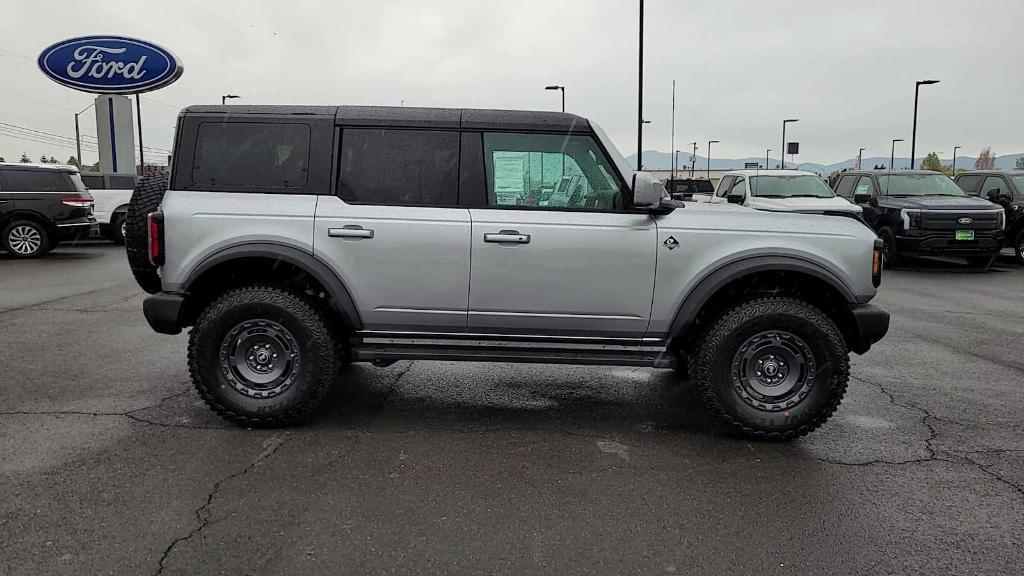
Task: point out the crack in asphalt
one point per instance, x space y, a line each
52 300
391 390
992 473
130 414
270 447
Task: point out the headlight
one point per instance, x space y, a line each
1002 219
911 218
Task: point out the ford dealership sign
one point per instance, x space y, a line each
110 65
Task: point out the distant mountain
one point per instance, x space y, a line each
655 160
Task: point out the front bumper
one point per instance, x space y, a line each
943 243
163 312
870 325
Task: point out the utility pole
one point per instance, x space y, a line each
693 159
78 134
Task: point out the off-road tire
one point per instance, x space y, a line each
146 198
716 355
891 257
319 362
37 243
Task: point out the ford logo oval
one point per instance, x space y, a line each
110 65
966 220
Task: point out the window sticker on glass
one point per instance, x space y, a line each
863 188
509 177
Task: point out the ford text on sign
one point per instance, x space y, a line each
109 65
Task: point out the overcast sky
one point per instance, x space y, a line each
846 69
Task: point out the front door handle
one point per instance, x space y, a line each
507 237
350 231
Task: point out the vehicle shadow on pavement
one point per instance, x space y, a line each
954 266
411 395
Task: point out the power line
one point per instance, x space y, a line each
59 137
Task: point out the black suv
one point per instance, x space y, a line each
921 212
685 188
1006 188
41 205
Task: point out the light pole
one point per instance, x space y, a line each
673 146
675 164
913 135
767 165
955 148
640 159
892 155
710 142
860 158
78 134
560 89
640 96
693 159
782 154
228 97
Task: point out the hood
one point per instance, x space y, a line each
834 204
937 202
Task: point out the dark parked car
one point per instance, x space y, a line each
685 188
40 206
920 212
1006 188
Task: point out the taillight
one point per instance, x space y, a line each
155 225
79 201
876 264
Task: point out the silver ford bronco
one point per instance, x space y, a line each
294 240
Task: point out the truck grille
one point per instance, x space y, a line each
951 220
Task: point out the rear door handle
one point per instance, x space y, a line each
350 231
507 237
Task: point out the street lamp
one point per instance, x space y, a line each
892 155
693 159
782 154
913 136
227 97
640 95
640 158
860 158
955 148
78 134
673 145
562 90
710 142
767 162
675 163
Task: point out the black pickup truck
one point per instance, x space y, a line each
41 205
920 212
1006 188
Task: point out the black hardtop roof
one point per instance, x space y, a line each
465 118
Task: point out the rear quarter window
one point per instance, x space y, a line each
251 155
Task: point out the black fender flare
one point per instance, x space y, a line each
341 298
723 275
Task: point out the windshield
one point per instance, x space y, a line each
801 186
918 185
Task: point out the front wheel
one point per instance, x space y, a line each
25 239
773 368
890 258
262 356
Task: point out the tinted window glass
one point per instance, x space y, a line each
918 185
93 181
412 167
548 170
969 184
251 155
122 182
845 186
37 181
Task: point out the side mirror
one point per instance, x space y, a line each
995 196
647 191
861 198
735 198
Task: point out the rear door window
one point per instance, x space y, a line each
251 155
37 181
399 167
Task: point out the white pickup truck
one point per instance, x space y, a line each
112 193
779 191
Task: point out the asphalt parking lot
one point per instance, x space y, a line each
110 463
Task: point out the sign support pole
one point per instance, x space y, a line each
138 112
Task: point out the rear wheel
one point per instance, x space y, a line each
262 356
118 224
146 198
773 368
25 239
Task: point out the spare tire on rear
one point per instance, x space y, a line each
146 198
